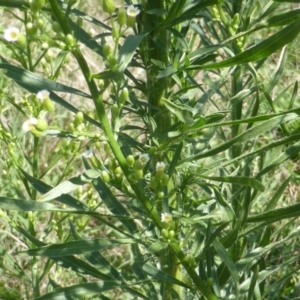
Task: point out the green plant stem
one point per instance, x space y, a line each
98 102
156 46
35 163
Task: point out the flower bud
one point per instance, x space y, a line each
108 6
40 23
36 5
48 105
130 160
70 41
124 95
113 63
115 111
115 33
106 50
138 174
131 12
235 22
165 233
30 29
171 234
121 19
160 195
78 119
117 171
41 125
105 176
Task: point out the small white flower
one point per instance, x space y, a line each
132 11
144 158
88 153
29 124
11 34
166 217
160 166
42 95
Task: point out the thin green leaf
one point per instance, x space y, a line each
70 185
240 180
291 211
263 49
75 247
162 276
229 263
183 113
83 290
36 82
127 50
43 188
28 205
245 136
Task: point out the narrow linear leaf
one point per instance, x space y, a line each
291 211
162 276
127 50
43 188
240 180
38 83
83 290
246 136
28 205
75 247
263 49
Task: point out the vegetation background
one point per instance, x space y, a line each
149 149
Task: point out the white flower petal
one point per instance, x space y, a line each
42 95
132 11
166 217
144 158
11 34
160 166
28 124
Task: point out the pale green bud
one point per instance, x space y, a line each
124 95
41 125
138 174
48 105
130 160
115 111
106 50
31 29
105 176
70 41
108 6
121 19
79 118
113 63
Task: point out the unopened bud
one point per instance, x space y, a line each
121 19
79 118
130 160
105 176
48 105
70 41
124 95
106 50
41 125
108 6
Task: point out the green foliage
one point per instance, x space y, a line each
158 151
